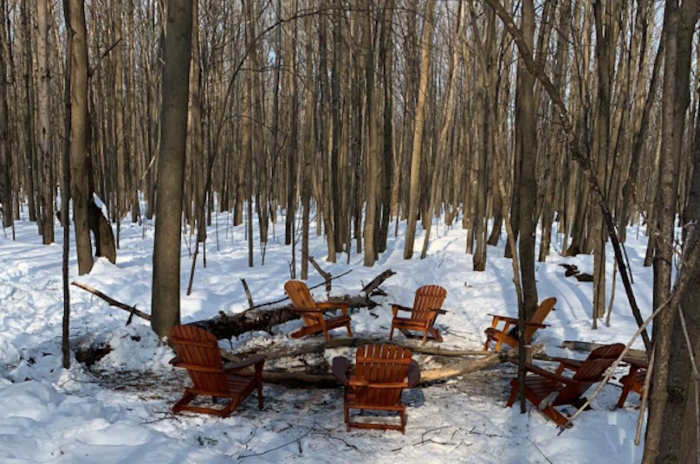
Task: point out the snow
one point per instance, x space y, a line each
118 411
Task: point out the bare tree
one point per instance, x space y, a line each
165 302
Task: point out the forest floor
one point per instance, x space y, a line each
118 410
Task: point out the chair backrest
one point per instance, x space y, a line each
299 293
198 350
381 364
592 370
540 315
427 297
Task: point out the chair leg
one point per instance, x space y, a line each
425 336
347 418
486 345
391 333
402 413
627 384
623 396
327 335
349 330
184 401
436 334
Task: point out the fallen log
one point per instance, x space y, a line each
225 327
587 347
303 380
318 346
300 379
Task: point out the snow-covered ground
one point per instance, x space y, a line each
119 410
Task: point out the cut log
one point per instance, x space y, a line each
587 347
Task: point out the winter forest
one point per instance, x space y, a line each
415 230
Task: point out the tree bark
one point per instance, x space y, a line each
46 194
80 191
528 176
5 159
165 303
419 124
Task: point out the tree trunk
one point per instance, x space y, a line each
80 191
373 167
419 124
671 385
46 194
528 177
165 303
5 179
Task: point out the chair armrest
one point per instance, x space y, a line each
251 361
340 367
638 363
175 361
334 305
550 375
496 317
305 310
568 362
439 311
401 307
536 324
413 374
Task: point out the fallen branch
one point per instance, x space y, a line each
248 296
113 302
326 276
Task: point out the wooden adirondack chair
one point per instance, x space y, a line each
198 352
547 389
500 336
634 380
426 307
312 313
381 374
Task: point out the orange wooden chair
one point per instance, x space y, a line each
426 307
634 380
311 312
198 352
381 374
501 336
547 389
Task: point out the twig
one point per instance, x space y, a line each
538 449
645 397
247 293
277 447
612 295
